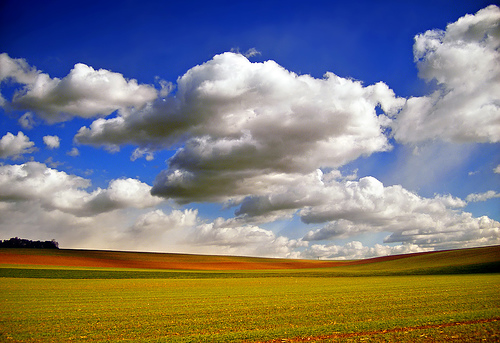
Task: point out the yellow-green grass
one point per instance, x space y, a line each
436 297
389 308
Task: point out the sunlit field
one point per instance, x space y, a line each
248 306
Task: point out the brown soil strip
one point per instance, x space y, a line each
380 332
120 259
162 263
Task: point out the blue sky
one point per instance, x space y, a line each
307 130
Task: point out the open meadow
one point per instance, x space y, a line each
436 297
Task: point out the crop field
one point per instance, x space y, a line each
398 302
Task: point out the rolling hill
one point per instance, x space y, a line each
460 261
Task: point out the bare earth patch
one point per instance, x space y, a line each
156 261
172 261
382 332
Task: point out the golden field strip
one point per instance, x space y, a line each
435 297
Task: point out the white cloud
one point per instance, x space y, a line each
327 197
351 208
223 237
106 230
368 201
260 137
138 153
157 221
476 197
121 193
73 152
36 201
240 120
158 231
464 62
15 146
27 121
16 70
84 92
34 181
355 250
460 232
52 142
56 190
237 121
496 170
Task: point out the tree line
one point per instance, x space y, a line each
26 243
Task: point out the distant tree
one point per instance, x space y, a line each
26 243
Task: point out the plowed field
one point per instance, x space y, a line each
112 259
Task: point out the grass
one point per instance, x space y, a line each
245 309
438 297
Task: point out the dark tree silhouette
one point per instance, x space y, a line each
26 243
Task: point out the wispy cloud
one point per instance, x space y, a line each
73 152
475 197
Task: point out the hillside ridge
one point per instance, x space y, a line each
482 256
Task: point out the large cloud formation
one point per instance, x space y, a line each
464 61
351 208
266 141
246 125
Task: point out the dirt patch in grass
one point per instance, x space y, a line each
381 332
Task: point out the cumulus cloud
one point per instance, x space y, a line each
476 197
350 208
52 142
30 219
327 197
245 240
463 60
240 120
14 146
368 201
17 70
266 141
57 190
37 201
84 92
243 129
496 170
355 250
157 220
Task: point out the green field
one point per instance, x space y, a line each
335 304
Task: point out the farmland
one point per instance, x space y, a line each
437 297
